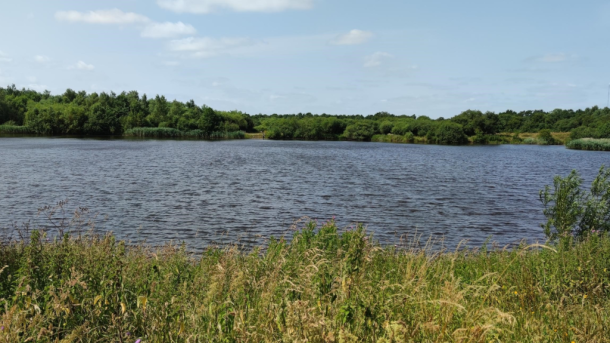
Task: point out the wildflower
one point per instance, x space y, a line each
2 328
128 333
585 296
516 293
139 340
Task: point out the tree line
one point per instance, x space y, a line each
82 113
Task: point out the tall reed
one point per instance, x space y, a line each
14 129
589 144
324 285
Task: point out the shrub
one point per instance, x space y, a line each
583 132
545 137
386 127
573 212
448 133
409 137
360 131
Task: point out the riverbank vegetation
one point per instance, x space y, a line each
323 285
81 113
590 144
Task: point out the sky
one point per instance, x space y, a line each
435 57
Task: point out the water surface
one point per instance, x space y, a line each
202 192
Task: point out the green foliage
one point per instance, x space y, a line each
573 212
360 131
14 129
386 127
582 132
112 114
545 137
165 132
448 133
324 285
153 132
589 144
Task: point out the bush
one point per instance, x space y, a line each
360 131
603 131
386 127
409 137
583 132
545 137
448 133
573 212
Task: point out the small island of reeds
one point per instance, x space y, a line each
594 144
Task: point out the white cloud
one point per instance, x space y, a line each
113 16
41 59
207 6
4 57
80 65
376 59
207 47
353 37
167 30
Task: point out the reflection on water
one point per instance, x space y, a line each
199 192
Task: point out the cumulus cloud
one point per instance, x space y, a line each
80 65
41 59
113 16
167 30
207 6
207 47
148 27
353 37
4 57
376 59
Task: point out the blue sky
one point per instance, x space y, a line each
434 57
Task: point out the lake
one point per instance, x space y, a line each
203 192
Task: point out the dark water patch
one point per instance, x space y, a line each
204 192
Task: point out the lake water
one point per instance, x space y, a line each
207 192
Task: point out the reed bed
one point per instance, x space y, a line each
590 144
165 132
324 285
15 129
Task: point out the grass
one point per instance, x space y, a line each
14 129
322 286
390 138
590 144
165 132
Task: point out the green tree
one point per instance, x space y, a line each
210 120
448 133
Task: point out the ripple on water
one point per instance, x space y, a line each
209 192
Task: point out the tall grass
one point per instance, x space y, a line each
589 144
322 286
153 132
14 129
166 132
